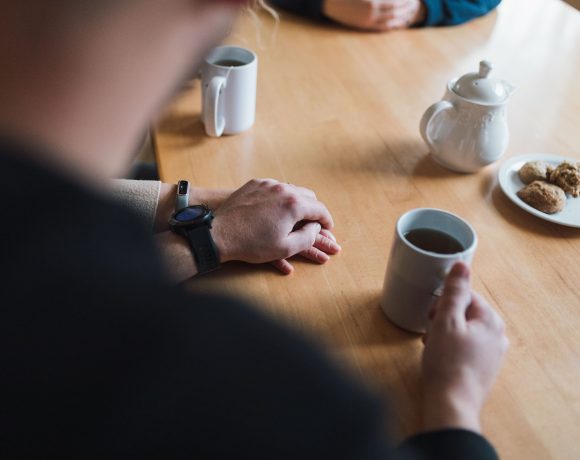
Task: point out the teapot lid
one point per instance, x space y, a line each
479 87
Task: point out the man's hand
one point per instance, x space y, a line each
269 221
377 15
175 249
464 349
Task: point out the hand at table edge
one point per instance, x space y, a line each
464 350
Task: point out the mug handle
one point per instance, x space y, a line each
214 122
429 116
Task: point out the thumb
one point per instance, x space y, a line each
456 296
302 238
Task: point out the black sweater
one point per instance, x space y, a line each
102 358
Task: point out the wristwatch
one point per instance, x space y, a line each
182 197
194 223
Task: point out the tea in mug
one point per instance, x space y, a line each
229 63
435 241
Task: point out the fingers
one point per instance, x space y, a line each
395 15
456 298
326 244
312 210
505 344
481 310
319 252
483 313
315 255
283 266
302 239
328 234
393 24
302 202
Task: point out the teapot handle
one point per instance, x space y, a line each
429 116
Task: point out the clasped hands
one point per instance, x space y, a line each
269 221
376 15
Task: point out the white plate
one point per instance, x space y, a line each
510 183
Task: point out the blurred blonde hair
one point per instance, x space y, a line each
254 8
257 5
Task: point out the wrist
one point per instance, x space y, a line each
450 409
220 240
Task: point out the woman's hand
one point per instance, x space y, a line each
464 349
377 15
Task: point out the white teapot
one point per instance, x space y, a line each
468 129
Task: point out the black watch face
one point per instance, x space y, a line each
190 214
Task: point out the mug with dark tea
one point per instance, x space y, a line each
428 242
229 79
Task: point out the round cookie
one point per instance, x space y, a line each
567 177
534 170
544 197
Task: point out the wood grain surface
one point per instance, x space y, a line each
338 111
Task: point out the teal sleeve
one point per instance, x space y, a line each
453 12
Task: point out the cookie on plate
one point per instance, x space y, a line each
567 177
545 197
534 170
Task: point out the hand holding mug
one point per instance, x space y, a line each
464 349
377 15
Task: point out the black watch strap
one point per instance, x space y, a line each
204 250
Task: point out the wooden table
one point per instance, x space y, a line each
338 111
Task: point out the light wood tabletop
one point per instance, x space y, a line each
338 112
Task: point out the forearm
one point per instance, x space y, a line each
453 12
177 256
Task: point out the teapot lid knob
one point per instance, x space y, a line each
480 87
485 67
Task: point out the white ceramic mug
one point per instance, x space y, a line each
415 277
229 91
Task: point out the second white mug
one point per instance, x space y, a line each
229 79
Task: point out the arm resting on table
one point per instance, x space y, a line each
453 12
